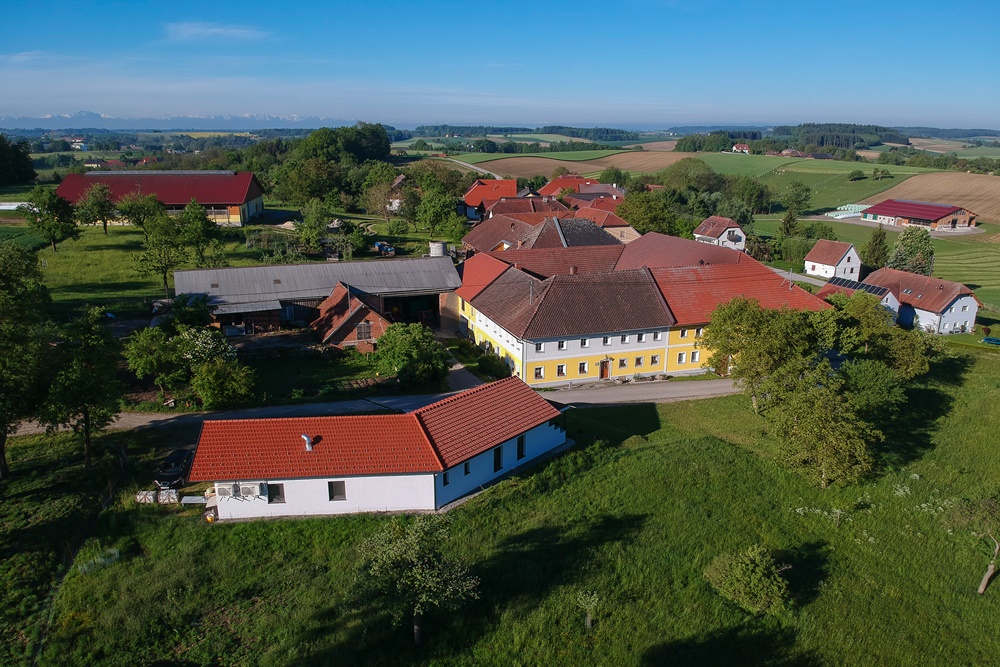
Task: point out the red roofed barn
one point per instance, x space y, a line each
920 213
417 461
230 198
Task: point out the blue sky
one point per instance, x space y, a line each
654 63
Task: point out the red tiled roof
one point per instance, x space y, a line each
659 250
567 182
535 230
252 449
692 293
604 204
715 226
171 188
337 310
920 210
475 421
547 262
524 205
602 217
924 292
477 273
431 439
828 252
489 189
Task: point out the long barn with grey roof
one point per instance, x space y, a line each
264 298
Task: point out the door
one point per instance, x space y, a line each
605 369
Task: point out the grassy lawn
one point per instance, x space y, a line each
15 192
571 156
635 521
744 165
22 235
286 377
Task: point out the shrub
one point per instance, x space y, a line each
494 366
222 383
750 579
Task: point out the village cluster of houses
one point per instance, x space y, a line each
554 282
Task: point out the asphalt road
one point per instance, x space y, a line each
642 392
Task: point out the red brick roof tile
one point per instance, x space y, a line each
545 262
539 205
489 189
477 273
656 250
827 252
602 217
567 182
171 188
920 210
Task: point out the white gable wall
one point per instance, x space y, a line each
959 317
849 267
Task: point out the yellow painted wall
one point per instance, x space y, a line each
688 345
550 367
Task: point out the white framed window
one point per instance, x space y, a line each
684 333
561 345
584 342
607 340
337 490
695 356
624 338
965 309
623 363
561 370
539 347
682 357
699 332
640 338
539 372
583 368
657 335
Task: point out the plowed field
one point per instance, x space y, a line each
977 192
526 167
660 145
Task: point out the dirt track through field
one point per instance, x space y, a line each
977 192
641 161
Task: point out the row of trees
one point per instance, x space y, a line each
828 416
15 163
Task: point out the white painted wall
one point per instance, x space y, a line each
961 313
739 244
849 267
537 442
310 497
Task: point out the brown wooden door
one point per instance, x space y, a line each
605 369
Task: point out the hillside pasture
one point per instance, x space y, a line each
658 145
979 193
936 145
582 162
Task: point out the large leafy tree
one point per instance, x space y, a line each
913 252
49 215
435 209
150 352
796 197
162 250
875 251
96 206
407 563
196 231
221 383
24 337
410 352
312 229
139 210
85 393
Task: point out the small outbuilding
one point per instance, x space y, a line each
833 259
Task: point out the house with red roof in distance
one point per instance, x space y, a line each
230 198
849 287
833 259
94 163
560 315
489 190
741 148
413 462
572 182
901 212
345 320
930 304
508 205
609 222
150 159
114 164
721 231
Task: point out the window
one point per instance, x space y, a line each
852 269
561 345
539 347
813 268
337 490
624 338
584 342
654 360
520 447
467 468
583 368
444 479
539 372
638 362
640 338
965 309
848 259
657 335
952 309
275 493
497 459
364 330
623 363
682 357
461 301
695 356
561 370
684 333
698 332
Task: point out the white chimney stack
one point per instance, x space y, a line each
309 442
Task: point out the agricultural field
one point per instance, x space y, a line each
979 193
567 156
634 519
657 145
15 192
936 145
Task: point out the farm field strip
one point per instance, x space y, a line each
566 156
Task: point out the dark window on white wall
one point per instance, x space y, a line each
275 493
338 490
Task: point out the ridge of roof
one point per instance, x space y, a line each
828 252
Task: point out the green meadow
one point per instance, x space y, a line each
571 156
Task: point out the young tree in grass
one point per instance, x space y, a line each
96 206
856 175
396 228
411 353
875 251
316 215
407 563
196 231
150 352
796 197
85 392
49 215
913 252
789 226
24 338
751 579
139 209
222 383
162 250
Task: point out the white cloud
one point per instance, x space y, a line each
192 31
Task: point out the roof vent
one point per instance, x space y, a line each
309 442
215 285
572 270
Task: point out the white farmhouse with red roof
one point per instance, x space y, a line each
931 304
901 212
833 259
721 231
418 461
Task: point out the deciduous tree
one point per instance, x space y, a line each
140 209
162 250
316 216
796 197
222 383
435 209
410 352
49 215
96 206
913 252
196 231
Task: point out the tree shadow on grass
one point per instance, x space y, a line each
733 646
810 566
515 580
909 433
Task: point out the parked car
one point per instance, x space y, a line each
173 469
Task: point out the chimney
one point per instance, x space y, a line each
517 266
520 243
572 270
309 442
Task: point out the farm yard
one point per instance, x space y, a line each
979 193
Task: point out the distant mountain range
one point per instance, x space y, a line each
90 120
